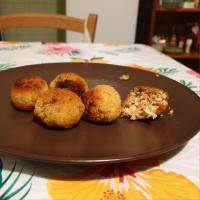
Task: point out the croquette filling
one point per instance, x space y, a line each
144 105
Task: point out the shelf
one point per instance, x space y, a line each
185 56
178 9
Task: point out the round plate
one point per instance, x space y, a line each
91 143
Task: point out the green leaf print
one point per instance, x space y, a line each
8 194
8 177
96 58
166 71
5 66
1 167
197 92
26 193
183 82
13 48
188 84
128 50
79 59
191 86
74 53
109 53
49 53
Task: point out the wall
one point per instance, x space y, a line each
32 6
116 19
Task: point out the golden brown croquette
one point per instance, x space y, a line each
71 81
59 108
26 90
102 104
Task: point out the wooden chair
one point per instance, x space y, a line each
87 27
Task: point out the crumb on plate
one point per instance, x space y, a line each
157 75
171 112
125 77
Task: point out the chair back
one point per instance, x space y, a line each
51 21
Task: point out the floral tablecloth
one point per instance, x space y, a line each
174 175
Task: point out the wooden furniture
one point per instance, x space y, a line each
50 21
155 20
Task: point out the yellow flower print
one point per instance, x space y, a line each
110 195
169 185
142 68
78 60
98 60
123 182
92 60
112 44
11 42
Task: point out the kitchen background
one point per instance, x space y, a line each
170 26
116 21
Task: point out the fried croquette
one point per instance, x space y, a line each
26 90
102 104
59 108
144 102
71 81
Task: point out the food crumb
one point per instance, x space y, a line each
171 112
125 77
157 75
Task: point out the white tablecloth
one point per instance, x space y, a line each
175 175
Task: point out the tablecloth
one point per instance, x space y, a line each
174 175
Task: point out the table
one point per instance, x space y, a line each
174 175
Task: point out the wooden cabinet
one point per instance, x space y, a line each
156 20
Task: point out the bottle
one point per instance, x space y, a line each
198 43
188 45
181 42
190 35
196 3
173 38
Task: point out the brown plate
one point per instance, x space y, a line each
90 143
